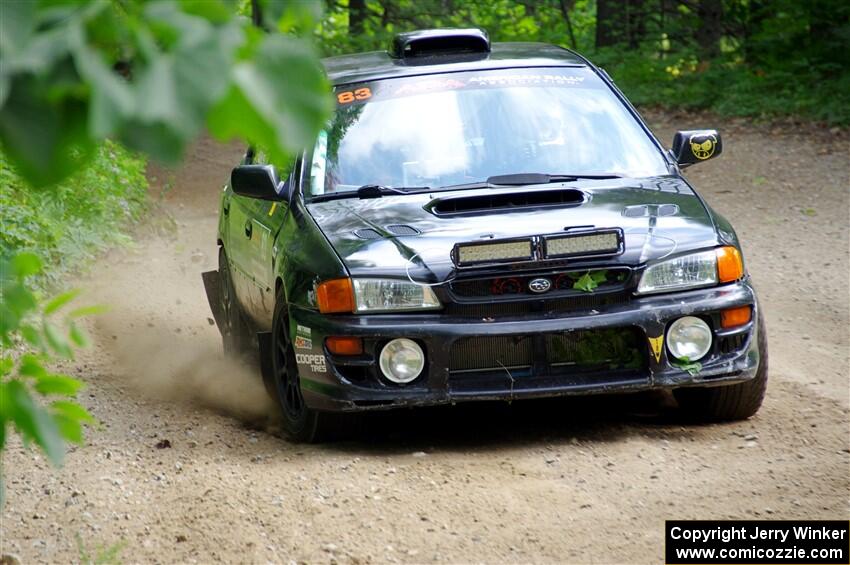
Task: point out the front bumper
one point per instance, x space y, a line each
326 387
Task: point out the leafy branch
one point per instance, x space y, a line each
34 400
693 368
590 280
151 75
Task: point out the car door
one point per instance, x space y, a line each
263 221
239 246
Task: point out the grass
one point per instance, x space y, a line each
67 225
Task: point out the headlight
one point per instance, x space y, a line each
688 271
384 295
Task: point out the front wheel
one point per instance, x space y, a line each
300 423
728 402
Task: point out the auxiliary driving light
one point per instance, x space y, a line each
689 338
402 360
583 244
497 251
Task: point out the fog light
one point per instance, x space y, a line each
402 360
689 338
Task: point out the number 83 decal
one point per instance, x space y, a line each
350 96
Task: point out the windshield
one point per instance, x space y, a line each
434 131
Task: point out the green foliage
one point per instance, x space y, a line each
590 280
729 86
70 223
691 367
504 20
765 59
103 555
762 59
150 75
611 347
34 400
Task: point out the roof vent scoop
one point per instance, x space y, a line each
439 42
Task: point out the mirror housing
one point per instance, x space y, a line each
258 181
695 146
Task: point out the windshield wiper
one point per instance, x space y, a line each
370 191
522 179
496 181
377 190
542 178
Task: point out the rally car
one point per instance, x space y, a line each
483 221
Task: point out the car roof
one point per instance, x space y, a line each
375 65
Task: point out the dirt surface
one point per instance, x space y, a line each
186 467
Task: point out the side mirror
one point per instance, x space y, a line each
695 146
257 181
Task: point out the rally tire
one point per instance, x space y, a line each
299 422
729 402
235 332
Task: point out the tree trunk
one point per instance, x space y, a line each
256 13
710 13
635 23
755 15
609 22
356 16
565 10
829 23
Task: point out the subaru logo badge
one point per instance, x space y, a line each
539 285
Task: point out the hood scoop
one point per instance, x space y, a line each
644 210
401 229
393 229
367 233
506 201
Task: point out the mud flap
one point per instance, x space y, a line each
212 283
264 340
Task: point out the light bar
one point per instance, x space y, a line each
589 244
470 254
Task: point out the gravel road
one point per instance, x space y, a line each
186 467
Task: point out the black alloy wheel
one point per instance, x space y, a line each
300 423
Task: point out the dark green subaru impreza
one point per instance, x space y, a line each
483 221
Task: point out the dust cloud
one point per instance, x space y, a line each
159 328
189 368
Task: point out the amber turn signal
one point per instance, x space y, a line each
734 317
344 345
730 266
335 296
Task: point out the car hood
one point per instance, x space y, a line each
658 216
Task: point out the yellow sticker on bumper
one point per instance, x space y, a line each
656 343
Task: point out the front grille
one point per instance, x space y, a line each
614 348
562 283
609 348
497 310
